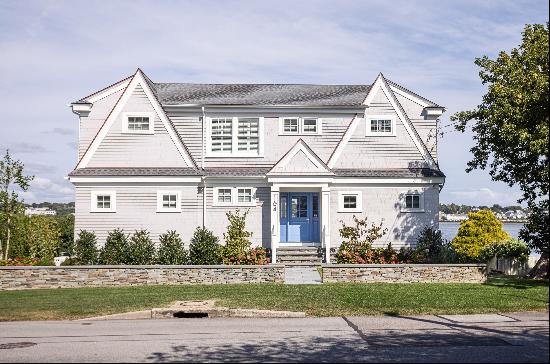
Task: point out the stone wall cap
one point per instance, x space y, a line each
220 266
399 265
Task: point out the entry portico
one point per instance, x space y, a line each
300 195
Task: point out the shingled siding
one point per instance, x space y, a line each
17 278
405 273
258 218
275 145
382 204
136 208
120 149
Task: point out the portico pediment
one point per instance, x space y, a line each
300 160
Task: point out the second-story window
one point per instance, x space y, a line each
299 126
380 125
235 137
138 123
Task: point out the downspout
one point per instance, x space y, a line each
202 167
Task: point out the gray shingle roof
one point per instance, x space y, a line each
247 172
130 171
261 94
395 172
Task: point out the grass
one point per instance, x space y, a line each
497 295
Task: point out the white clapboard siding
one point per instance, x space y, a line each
120 149
90 124
378 152
383 204
136 208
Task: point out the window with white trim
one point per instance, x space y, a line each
381 125
350 201
234 196
138 123
413 201
221 134
299 126
168 201
235 137
224 195
103 201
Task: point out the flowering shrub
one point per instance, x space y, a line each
254 256
357 245
510 248
20 262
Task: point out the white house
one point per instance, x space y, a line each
300 158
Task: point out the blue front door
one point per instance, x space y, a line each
299 217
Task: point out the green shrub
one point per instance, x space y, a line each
509 248
358 240
204 248
116 249
255 256
43 237
141 249
70 261
480 229
85 249
431 248
66 236
172 250
237 239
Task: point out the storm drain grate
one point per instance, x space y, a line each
20 345
183 314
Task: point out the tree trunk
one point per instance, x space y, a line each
540 270
7 239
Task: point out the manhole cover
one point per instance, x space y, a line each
24 344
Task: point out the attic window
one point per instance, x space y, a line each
138 123
299 126
380 125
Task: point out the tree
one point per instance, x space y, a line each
11 177
43 237
66 226
86 248
510 125
172 250
237 239
116 249
204 247
141 249
480 229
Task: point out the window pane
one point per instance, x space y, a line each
244 195
103 202
412 201
248 136
221 134
310 125
298 206
380 126
290 125
224 195
416 202
350 201
169 201
283 207
138 123
408 201
315 205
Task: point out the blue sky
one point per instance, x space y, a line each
54 52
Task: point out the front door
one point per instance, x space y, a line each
299 217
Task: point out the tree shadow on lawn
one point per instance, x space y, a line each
515 282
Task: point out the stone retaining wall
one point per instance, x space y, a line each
405 273
13 278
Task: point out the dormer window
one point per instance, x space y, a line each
138 123
380 125
299 126
235 137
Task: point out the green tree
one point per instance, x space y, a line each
480 229
66 227
237 239
116 249
172 250
204 247
11 177
510 126
85 249
43 237
141 249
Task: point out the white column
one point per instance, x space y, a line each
325 221
275 223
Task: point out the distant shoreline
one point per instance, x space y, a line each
502 221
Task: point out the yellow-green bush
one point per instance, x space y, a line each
480 229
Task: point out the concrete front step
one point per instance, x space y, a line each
298 264
300 255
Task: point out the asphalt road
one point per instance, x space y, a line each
521 337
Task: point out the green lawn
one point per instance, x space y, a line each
498 295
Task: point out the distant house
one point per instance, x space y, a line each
300 158
30 211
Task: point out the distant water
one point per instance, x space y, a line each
449 229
